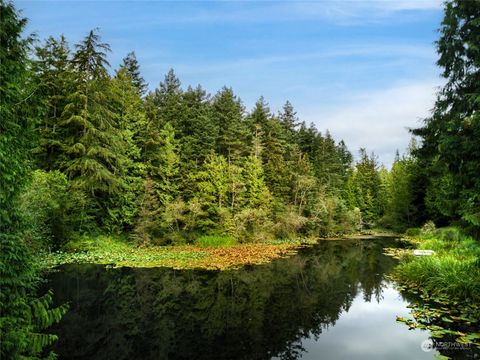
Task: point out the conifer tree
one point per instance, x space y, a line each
131 65
196 128
165 168
22 316
53 73
212 185
94 147
274 158
366 184
130 128
288 118
450 150
256 194
227 115
168 99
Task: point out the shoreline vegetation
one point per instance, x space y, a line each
208 252
120 253
444 288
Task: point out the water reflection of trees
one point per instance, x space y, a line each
253 313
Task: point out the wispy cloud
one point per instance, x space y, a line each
355 12
340 12
397 51
379 120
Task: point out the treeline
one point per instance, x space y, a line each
169 165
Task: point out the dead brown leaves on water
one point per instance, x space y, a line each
240 255
193 257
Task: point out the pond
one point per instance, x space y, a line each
330 301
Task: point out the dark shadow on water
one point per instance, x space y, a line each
257 312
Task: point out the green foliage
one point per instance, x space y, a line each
256 193
400 183
364 188
227 112
450 150
147 226
289 223
447 283
132 67
412 232
166 175
52 210
215 241
176 163
453 271
22 316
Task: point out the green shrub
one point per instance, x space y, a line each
288 224
99 242
215 241
413 232
53 209
252 225
78 244
428 228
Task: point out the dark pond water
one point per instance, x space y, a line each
331 301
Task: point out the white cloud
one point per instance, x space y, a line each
378 121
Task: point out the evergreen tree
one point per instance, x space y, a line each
308 139
365 184
196 128
257 194
165 169
257 122
400 207
147 226
212 188
94 146
274 157
53 73
168 99
288 118
303 182
131 65
236 186
260 113
451 136
227 115
130 128
327 162
22 317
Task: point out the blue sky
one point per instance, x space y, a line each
363 69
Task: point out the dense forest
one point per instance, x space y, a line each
86 149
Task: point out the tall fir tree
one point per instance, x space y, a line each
288 118
94 147
22 316
132 67
450 150
227 115
53 73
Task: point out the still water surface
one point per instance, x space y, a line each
331 301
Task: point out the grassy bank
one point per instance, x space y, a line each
453 271
445 287
209 252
